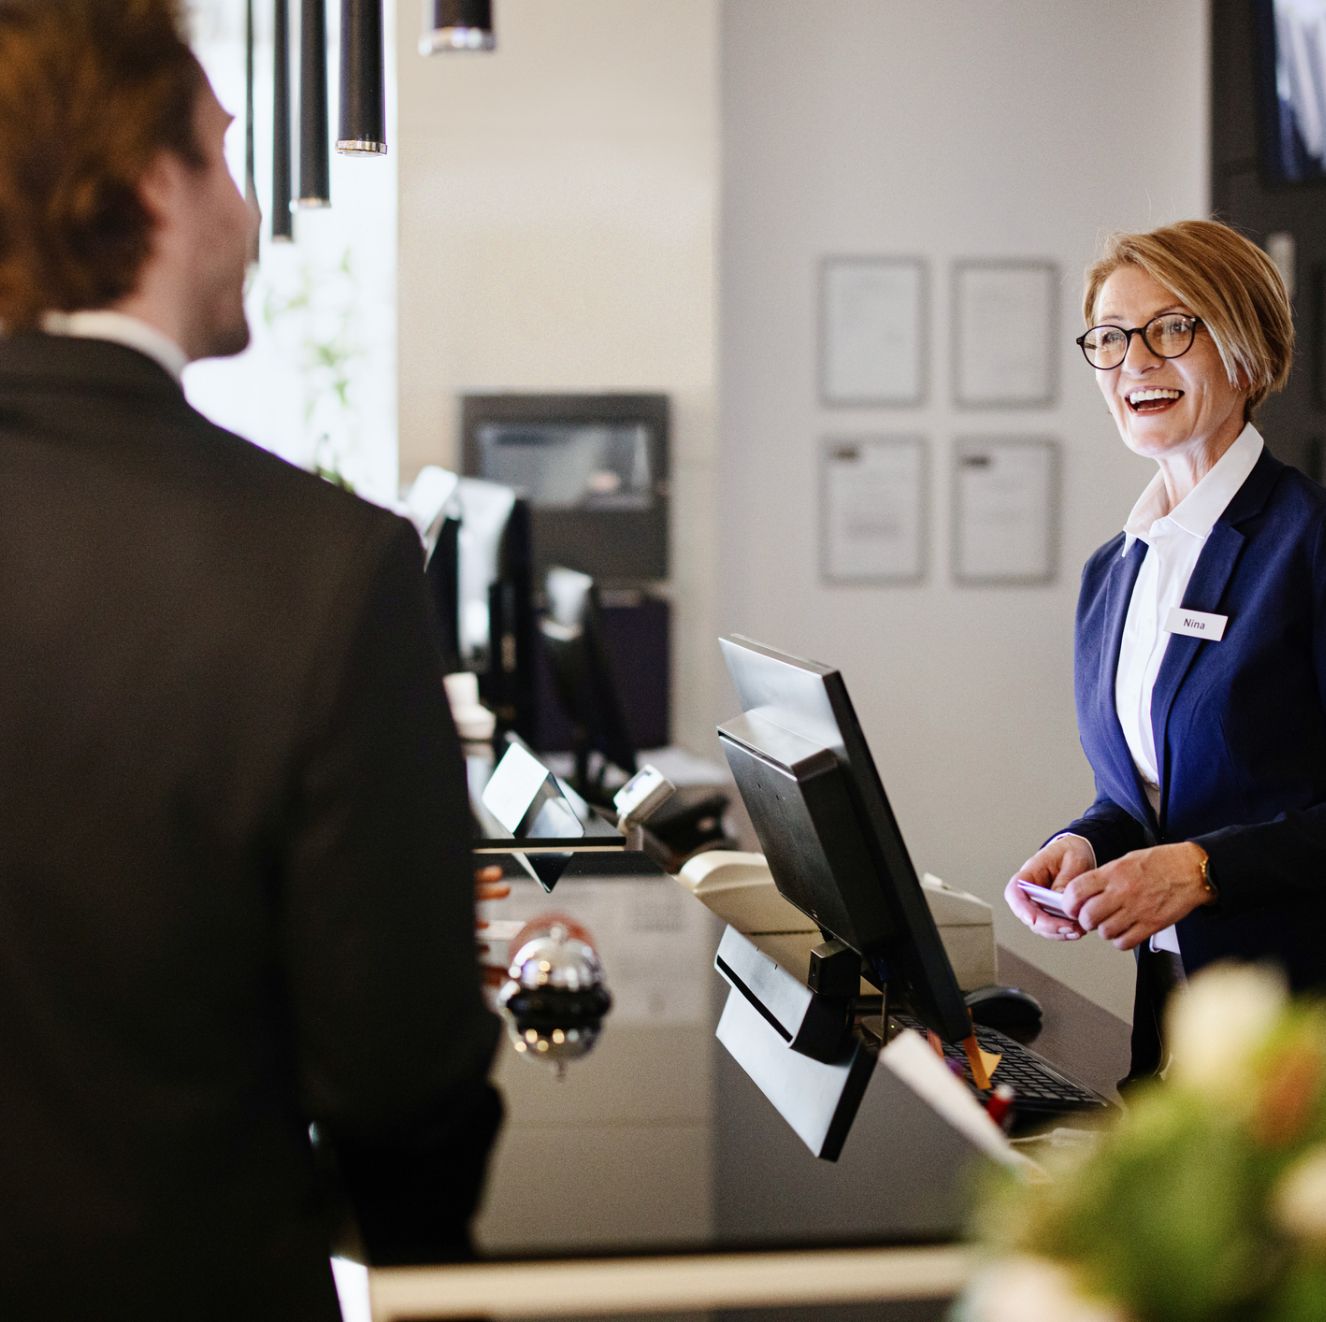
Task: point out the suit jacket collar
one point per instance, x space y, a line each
1205 592
32 361
120 328
1198 511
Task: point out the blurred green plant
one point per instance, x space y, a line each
1206 1202
312 314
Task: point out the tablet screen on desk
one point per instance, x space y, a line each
556 819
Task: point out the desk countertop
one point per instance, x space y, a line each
656 1141
656 1144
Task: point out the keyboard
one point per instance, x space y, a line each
1041 1091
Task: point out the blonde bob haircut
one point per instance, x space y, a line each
1228 282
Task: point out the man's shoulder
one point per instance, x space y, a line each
241 467
110 406
270 497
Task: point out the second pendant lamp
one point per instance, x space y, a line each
314 162
457 25
363 129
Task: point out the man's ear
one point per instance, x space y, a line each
161 187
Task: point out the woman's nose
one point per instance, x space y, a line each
1139 356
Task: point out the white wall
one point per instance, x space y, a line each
946 129
635 195
278 393
558 230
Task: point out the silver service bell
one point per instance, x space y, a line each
555 995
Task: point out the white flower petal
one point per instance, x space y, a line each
1218 1021
1298 1202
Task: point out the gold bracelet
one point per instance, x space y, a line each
1204 870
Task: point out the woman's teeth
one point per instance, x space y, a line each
1151 401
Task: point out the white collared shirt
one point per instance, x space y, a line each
1174 541
119 328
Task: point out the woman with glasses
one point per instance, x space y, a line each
1200 640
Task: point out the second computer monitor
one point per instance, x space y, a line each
495 615
442 570
832 843
583 676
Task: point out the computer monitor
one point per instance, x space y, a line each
495 614
1291 85
831 840
430 506
583 678
442 570
594 468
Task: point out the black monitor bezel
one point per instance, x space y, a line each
442 570
583 675
812 700
507 676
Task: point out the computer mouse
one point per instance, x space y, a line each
1009 1009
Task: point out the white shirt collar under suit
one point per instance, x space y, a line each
119 328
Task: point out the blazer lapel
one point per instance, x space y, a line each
1206 588
1119 593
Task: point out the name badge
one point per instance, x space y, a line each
1196 624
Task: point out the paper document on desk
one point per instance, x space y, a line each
909 1058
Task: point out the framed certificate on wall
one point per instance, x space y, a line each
1005 334
872 330
873 509
1005 510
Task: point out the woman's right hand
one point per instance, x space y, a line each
1054 865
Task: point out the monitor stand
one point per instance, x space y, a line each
811 1023
810 1045
818 1099
797 1044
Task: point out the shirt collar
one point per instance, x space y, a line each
119 328
1198 511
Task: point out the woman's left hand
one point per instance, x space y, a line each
1140 894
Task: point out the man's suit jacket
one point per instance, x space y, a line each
1240 725
235 889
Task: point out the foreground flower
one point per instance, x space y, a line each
1218 1023
1027 1289
1298 1202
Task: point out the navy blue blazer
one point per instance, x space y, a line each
1240 725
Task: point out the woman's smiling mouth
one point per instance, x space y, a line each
1152 400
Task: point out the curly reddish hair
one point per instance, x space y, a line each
91 91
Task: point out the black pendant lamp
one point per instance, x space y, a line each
314 162
457 25
363 82
250 173
282 222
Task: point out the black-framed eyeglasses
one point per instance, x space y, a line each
1169 335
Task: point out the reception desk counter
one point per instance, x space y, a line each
650 1177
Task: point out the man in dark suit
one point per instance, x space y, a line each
235 893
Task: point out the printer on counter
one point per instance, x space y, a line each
739 888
